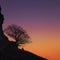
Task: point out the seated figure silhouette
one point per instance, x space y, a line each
1 22
3 38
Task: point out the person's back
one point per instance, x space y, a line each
1 22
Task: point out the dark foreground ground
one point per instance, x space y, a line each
11 52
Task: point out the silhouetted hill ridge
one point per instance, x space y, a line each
11 52
31 55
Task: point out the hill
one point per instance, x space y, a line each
11 52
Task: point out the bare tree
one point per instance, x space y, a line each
17 33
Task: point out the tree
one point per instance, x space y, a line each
17 33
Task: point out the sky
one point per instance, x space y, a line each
41 20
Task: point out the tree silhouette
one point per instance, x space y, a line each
17 33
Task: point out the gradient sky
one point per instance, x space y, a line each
41 19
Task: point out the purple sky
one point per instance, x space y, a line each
31 11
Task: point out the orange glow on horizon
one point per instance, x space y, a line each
45 42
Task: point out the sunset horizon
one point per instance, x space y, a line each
40 19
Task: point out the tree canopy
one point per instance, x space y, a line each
17 33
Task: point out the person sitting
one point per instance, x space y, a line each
3 39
